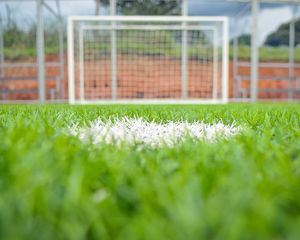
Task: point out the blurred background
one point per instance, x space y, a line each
264 44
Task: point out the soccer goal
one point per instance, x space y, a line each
148 59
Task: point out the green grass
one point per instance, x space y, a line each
280 54
54 187
23 54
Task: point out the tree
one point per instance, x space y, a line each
149 7
99 3
143 7
281 36
244 39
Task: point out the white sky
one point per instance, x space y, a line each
270 18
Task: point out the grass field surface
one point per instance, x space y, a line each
54 186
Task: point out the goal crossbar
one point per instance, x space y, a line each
149 18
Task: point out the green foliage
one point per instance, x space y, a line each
18 53
144 7
20 43
55 187
244 40
281 36
14 36
103 2
275 54
266 53
160 38
151 43
149 7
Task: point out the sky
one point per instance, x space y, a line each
271 15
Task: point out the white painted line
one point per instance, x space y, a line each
152 134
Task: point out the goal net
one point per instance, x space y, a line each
147 59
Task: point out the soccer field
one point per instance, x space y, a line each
53 185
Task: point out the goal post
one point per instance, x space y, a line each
146 59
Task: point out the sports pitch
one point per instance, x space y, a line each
55 186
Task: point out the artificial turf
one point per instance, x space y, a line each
53 186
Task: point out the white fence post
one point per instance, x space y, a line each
41 52
254 50
225 61
114 61
184 49
2 59
71 61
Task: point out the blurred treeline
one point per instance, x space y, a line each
20 42
281 36
19 36
278 38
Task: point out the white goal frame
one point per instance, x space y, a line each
222 21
